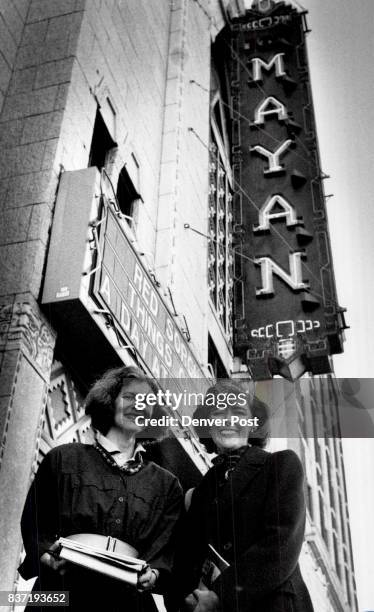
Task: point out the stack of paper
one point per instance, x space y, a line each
106 562
213 567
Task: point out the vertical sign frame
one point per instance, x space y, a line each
286 309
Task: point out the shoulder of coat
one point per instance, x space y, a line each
287 458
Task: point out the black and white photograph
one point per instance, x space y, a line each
186 287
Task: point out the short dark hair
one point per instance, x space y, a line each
258 409
100 400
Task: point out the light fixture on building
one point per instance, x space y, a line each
291 369
263 6
286 358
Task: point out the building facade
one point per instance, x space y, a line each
308 415
117 243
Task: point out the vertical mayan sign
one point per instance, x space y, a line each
287 319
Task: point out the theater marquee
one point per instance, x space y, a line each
98 290
287 317
125 288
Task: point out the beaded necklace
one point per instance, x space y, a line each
132 466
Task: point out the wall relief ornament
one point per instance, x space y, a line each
22 325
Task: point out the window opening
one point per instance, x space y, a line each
101 143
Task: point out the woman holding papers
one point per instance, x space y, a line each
109 489
250 508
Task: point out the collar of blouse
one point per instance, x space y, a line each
118 456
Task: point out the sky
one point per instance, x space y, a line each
341 52
341 57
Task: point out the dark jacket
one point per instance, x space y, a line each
76 491
256 521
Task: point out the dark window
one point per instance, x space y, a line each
348 586
309 497
101 143
322 515
215 361
127 195
330 476
317 450
336 556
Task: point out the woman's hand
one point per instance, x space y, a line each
147 579
202 601
51 559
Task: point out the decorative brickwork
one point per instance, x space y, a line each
23 327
